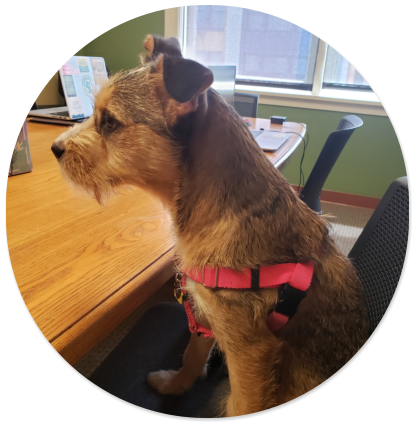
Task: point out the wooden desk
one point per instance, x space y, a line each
83 268
282 156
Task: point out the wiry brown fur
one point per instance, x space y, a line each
230 208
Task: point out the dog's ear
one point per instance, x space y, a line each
184 80
155 45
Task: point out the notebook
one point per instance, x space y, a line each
269 140
80 76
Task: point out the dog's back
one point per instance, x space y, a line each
247 215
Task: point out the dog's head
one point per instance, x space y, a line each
129 138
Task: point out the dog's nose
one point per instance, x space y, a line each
57 150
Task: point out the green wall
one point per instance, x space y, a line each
121 46
371 160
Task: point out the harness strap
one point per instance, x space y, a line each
291 279
194 326
298 275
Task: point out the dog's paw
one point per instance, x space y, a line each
168 382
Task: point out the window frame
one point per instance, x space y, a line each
321 97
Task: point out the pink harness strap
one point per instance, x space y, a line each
297 275
194 326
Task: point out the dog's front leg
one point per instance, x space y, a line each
194 367
252 351
252 377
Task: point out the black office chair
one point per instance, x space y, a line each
379 252
159 338
326 160
246 105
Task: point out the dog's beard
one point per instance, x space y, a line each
101 193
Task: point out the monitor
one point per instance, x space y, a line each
224 81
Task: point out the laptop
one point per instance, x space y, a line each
269 140
79 77
224 81
224 84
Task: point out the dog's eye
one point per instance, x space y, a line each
108 123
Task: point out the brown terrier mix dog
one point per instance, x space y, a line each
162 128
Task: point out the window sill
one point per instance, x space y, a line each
329 99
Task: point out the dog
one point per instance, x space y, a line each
162 127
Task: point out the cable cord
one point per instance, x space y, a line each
305 144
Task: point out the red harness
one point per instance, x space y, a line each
291 279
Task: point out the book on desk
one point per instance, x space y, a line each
21 161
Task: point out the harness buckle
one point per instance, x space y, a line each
178 293
216 280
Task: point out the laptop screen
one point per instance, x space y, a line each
224 81
80 76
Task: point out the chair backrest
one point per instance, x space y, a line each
326 160
246 105
379 253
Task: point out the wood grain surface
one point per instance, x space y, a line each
70 255
83 268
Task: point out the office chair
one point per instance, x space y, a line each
379 252
326 160
159 338
246 105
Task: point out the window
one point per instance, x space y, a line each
340 74
267 51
